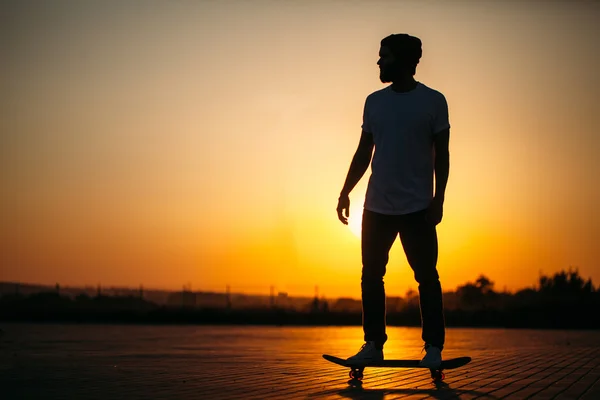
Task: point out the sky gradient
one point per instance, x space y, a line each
166 143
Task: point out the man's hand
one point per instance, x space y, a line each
343 205
358 167
435 211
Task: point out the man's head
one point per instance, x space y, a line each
398 57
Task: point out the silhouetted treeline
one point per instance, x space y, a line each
564 301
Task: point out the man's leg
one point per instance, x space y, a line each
419 239
378 235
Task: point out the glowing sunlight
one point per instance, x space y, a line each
158 144
355 219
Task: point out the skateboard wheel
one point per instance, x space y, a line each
356 373
437 375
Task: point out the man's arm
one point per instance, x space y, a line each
360 162
358 167
441 163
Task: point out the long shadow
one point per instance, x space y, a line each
356 391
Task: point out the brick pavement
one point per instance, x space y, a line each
99 362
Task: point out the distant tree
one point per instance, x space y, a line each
526 296
412 299
565 283
476 294
484 284
469 295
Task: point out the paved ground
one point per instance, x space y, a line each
89 362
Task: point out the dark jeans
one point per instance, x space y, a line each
419 240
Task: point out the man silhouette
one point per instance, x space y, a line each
407 125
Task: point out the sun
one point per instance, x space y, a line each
355 225
355 219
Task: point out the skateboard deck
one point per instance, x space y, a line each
356 370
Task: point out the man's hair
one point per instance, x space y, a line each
405 48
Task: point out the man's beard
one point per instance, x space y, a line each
385 76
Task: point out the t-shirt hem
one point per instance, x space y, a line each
395 212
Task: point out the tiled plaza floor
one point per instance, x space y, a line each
112 362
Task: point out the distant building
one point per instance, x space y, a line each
345 304
282 300
182 299
211 300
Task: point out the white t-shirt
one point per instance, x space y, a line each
403 127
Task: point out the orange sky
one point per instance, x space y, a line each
166 143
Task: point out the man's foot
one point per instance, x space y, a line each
433 358
368 354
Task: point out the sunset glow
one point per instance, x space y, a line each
167 143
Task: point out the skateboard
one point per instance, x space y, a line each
356 370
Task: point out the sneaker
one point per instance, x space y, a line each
433 357
367 354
